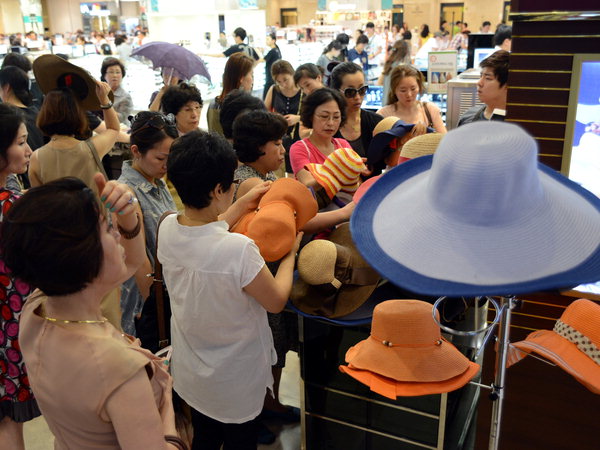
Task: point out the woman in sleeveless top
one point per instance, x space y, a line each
406 84
62 118
96 387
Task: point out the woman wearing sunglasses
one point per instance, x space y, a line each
96 387
152 134
349 79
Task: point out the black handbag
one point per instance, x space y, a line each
153 328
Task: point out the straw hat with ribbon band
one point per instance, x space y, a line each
53 72
573 344
426 144
389 135
479 217
339 172
333 280
406 345
282 211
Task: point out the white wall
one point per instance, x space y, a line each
10 17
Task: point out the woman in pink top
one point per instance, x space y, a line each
96 387
324 111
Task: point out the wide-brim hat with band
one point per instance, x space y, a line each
392 389
340 171
406 345
387 136
53 72
282 211
573 344
425 144
479 217
334 280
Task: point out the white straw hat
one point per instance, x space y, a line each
480 217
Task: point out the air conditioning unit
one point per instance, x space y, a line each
462 95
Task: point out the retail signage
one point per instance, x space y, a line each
387 4
441 68
321 5
248 4
32 18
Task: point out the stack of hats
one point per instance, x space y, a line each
334 280
340 172
573 344
405 355
282 212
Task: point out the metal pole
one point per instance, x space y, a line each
497 394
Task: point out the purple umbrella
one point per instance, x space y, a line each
175 57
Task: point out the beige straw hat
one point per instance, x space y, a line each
426 144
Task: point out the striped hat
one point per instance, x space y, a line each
339 172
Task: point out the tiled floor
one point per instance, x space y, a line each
38 436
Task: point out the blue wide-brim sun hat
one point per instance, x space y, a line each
480 217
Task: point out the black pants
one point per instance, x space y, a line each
210 434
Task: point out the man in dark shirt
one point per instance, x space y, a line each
358 54
491 89
239 34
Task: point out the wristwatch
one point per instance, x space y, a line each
107 106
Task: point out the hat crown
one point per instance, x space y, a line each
584 316
316 262
405 323
485 173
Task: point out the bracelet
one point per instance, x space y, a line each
132 233
107 106
176 441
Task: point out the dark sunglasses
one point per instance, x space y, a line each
155 121
351 92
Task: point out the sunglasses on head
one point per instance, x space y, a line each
351 92
155 121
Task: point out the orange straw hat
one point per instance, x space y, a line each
334 280
573 344
391 388
339 172
406 345
282 211
425 144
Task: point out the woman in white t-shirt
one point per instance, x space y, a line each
220 291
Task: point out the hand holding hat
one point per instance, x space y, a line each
340 171
282 211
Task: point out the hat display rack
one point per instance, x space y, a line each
471 220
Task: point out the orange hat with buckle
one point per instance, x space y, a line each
339 172
573 344
406 345
282 211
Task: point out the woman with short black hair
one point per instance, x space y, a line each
113 72
184 101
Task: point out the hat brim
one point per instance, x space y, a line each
418 364
392 389
49 68
565 354
431 255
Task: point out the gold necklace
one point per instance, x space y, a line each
52 319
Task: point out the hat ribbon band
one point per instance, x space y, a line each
391 344
582 342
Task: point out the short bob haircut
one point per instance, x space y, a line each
18 81
498 62
18 60
316 99
61 114
240 32
247 142
308 70
396 76
281 67
197 164
176 97
11 119
362 39
110 62
237 67
336 79
150 133
51 237
237 102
